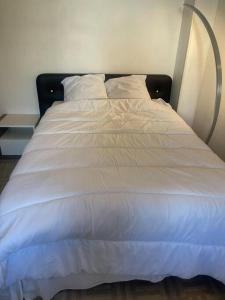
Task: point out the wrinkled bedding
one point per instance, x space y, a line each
120 187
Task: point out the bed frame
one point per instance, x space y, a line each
50 89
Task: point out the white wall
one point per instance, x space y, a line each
198 87
196 59
204 111
136 36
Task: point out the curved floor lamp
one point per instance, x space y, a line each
218 68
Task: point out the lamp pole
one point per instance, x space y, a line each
219 78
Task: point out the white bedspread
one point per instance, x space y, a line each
120 187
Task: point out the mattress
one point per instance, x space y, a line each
120 188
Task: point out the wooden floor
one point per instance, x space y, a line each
6 168
199 288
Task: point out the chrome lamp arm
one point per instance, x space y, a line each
218 68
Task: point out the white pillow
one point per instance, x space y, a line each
133 86
84 87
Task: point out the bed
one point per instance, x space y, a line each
110 190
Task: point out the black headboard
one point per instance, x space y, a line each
50 89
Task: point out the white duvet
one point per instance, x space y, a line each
114 187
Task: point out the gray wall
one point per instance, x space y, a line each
181 53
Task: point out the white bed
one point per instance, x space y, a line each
111 190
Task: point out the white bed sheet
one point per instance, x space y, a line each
117 187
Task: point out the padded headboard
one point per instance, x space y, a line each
50 89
